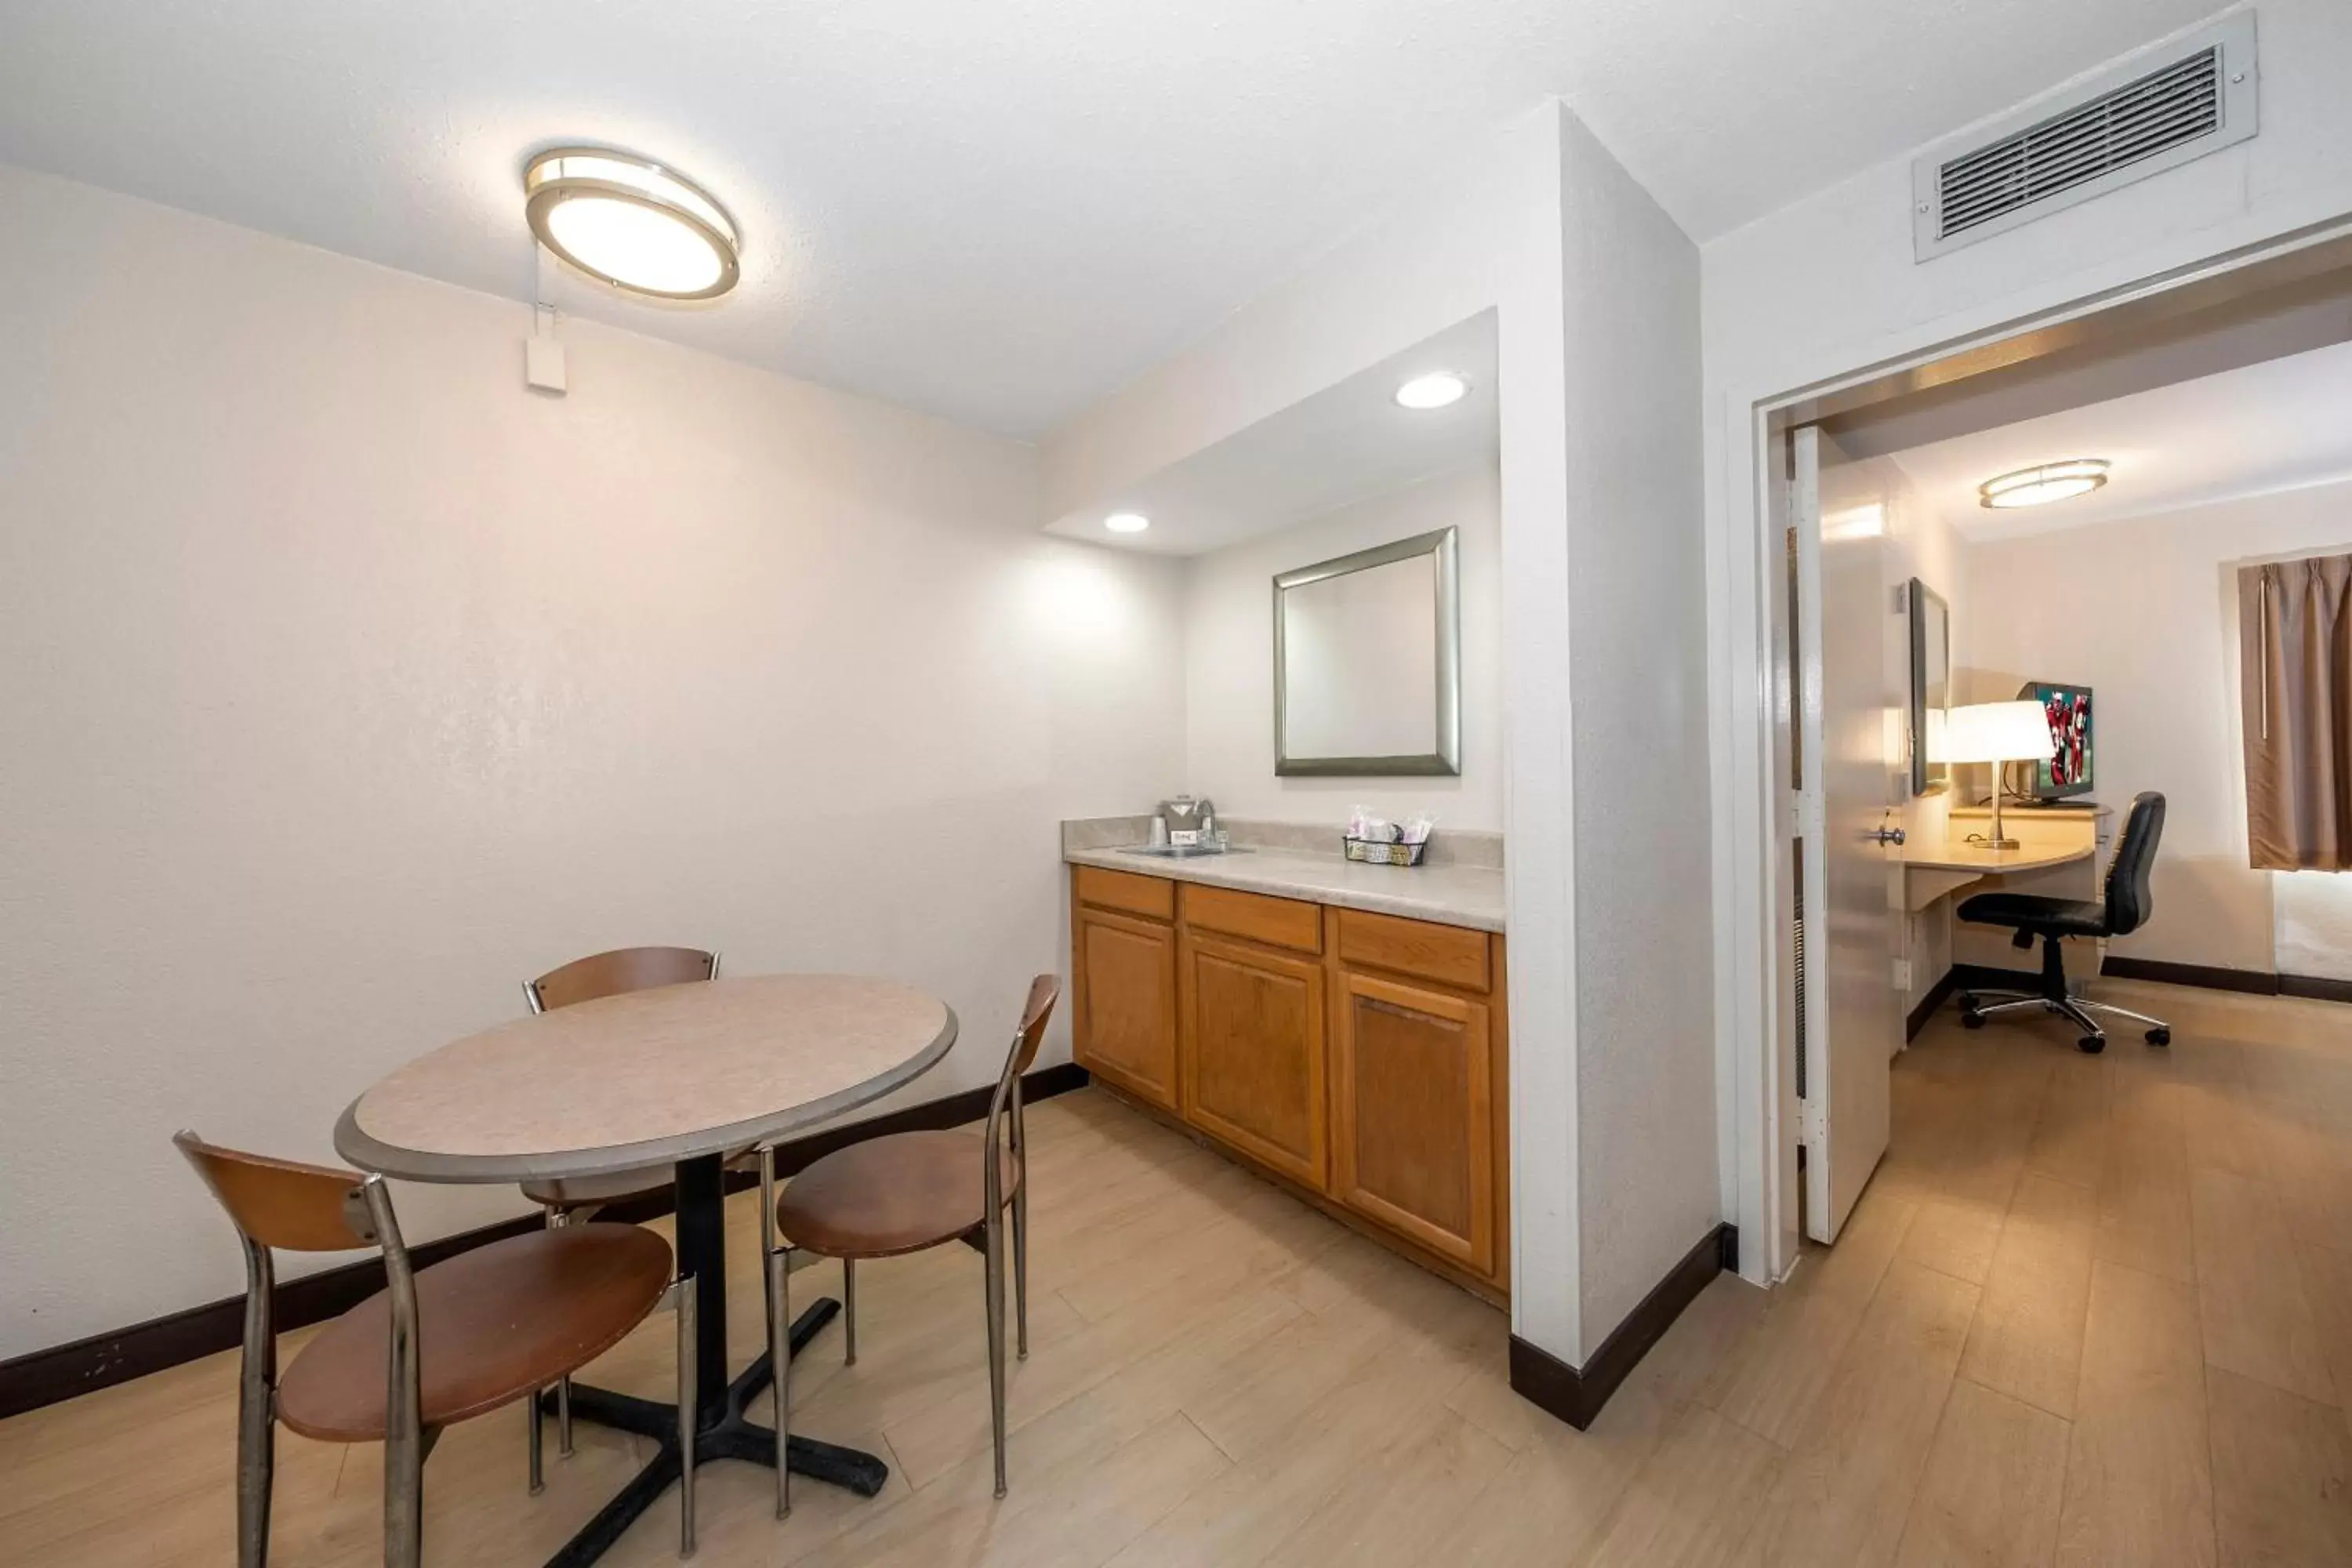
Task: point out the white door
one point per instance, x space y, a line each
1850 793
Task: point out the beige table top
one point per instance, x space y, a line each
649 1078
1953 855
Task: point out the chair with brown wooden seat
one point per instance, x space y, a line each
906 1191
433 1347
577 1199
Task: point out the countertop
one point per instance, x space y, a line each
1455 895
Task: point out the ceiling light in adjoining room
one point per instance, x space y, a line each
1127 522
630 222
1436 390
2041 484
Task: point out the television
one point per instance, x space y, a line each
2068 769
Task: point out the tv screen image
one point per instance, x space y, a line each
2068 769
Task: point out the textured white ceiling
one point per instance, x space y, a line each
2274 426
996 210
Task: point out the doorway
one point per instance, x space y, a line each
1865 943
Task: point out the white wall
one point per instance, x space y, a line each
1229 660
1637 649
2144 611
1827 287
346 682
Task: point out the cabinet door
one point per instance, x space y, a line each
1412 1115
1253 1055
1127 1004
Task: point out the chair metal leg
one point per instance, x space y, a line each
556 1220
775 1266
256 1430
849 1310
1020 1265
538 1458
1987 1011
403 1483
2124 1013
682 1301
995 1272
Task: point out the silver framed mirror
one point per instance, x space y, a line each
1368 662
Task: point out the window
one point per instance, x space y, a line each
2294 624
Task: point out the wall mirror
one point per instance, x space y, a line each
1931 687
1367 662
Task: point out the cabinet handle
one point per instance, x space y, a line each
1377 1005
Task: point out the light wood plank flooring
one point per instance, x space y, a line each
2091 1310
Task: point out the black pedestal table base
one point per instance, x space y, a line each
730 1435
725 1431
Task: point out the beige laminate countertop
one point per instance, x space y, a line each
1469 896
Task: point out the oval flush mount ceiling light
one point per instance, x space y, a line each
2041 486
1127 522
630 222
1436 390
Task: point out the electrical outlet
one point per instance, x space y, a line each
1903 976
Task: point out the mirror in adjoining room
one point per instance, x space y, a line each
1931 687
1368 662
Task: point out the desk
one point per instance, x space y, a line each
1932 870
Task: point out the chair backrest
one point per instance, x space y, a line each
282 1204
623 969
2129 903
1036 1013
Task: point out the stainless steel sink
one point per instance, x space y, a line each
1181 851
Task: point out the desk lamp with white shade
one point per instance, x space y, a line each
1997 732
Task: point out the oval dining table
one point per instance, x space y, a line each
679 1076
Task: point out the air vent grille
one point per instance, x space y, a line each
2199 99
2152 115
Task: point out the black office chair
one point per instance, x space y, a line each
2127 909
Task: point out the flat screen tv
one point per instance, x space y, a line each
2068 769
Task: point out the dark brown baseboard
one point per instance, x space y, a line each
2248 981
1936 997
2254 982
2207 977
101 1360
1576 1395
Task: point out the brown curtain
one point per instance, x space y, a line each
2294 626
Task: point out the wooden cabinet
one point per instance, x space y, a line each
1126 1002
1359 1057
1252 1042
1412 1114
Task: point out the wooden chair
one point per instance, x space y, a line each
434 1347
576 1199
902 1194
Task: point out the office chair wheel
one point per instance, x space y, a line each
2092 1044
1971 1019
2159 1036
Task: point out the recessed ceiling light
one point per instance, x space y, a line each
1435 390
2041 486
1127 522
630 222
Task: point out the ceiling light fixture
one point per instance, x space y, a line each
1438 389
1127 522
630 222
2041 486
